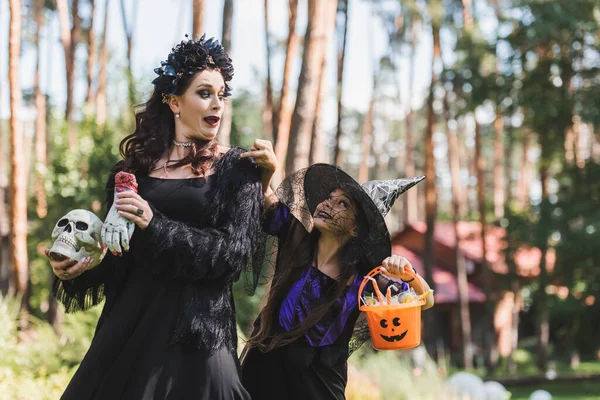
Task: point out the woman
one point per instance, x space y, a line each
167 330
330 232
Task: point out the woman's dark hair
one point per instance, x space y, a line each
302 254
154 120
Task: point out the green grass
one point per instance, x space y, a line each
559 391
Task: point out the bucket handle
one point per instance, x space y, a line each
376 271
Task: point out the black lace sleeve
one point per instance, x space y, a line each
180 251
88 289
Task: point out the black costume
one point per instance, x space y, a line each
314 366
300 370
167 330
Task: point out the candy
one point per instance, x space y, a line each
404 297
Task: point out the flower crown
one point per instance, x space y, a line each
189 57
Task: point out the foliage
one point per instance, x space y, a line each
392 376
246 122
576 227
76 178
38 364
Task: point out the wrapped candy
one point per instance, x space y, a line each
404 297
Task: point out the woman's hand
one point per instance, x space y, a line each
263 154
128 208
68 269
398 267
133 208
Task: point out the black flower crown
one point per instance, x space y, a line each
189 57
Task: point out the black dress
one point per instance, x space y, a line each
167 330
298 371
302 370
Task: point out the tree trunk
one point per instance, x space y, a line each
129 29
62 7
268 122
463 157
341 56
499 178
411 197
284 112
498 172
7 283
18 179
41 152
570 146
318 150
525 172
541 301
367 138
304 110
579 150
224 136
461 270
596 144
489 330
467 13
514 328
91 39
40 123
101 103
508 154
198 15
430 190
318 144
70 37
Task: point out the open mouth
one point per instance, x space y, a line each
212 121
323 215
396 338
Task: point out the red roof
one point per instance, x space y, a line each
446 286
527 259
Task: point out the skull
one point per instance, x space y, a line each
77 235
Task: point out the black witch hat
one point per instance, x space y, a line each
305 189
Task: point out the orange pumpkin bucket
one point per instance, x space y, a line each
392 326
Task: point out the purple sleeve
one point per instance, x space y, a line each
277 219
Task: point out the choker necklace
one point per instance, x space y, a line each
183 144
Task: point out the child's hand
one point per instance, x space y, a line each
398 267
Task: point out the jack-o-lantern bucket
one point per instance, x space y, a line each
395 326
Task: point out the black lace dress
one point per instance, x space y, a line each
168 330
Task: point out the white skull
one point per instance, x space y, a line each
77 235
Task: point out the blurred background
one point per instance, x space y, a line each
496 101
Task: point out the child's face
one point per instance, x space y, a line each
336 215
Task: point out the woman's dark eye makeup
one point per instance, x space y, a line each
205 94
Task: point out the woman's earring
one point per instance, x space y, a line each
178 115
